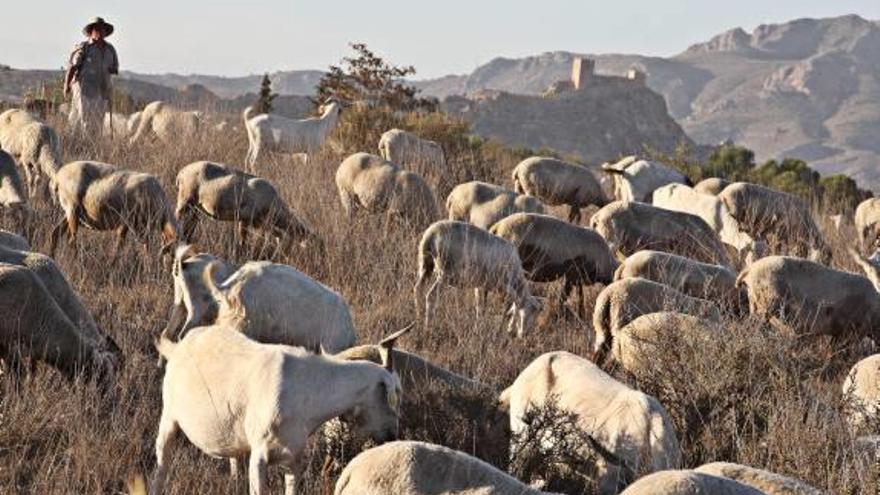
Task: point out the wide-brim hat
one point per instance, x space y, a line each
98 22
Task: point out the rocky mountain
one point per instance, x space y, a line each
609 118
808 88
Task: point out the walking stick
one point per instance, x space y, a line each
110 108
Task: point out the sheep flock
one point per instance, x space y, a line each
194 308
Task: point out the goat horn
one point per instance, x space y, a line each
388 342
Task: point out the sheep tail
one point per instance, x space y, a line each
740 279
165 346
601 340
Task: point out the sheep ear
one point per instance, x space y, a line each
184 251
613 171
391 394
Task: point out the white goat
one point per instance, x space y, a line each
234 397
268 133
269 302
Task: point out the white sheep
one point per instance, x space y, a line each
712 186
766 481
483 204
269 302
167 123
630 226
556 182
624 301
551 249
636 179
803 297
115 125
418 468
679 197
703 280
861 391
234 397
463 255
34 145
12 193
224 193
763 212
418 154
685 482
867 222
636 345
268 133
106 197
632 426
374 184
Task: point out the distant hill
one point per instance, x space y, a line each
298 82
809 88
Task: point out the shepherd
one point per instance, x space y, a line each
88 78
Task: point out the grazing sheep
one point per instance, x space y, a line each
766 481
132 123
14 241
861 389
33 144
483 204
712 186
267 133
556 182
624 301
234 397
867 221
636 345
54 281
170 125
632 226
372 183
763 212
418 154
679 197
12 194
469 257
706 281
550 248
418 468
685 482
115 125
227 194
807 298
42 331
629 424
635 179
105 197
269 302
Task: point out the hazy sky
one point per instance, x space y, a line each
239 37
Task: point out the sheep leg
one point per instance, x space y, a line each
72 226
431 299
297 467
480 297
257 471
574 214
565 294
164 445
234 469
57 233
121 233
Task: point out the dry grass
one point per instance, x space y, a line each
755 398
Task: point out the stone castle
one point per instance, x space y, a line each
583 75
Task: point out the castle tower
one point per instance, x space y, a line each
581 71
637 76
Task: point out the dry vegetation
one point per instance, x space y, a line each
750 397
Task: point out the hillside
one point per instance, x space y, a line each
297 82
809 88
603 121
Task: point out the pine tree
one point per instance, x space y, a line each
264 100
